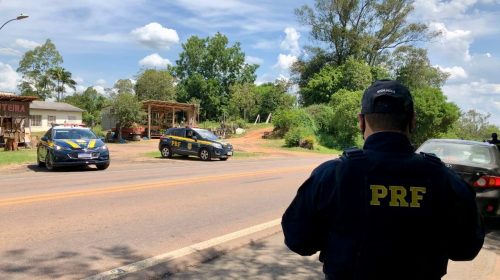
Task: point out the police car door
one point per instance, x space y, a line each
194 146
178 139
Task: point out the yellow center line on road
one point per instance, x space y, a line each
144 186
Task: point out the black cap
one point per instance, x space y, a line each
398 94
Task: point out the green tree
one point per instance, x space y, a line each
354 75
90 101
362 29
473 125
413 68
124 86
244 101
155 85
62 79
206 70
321 86
34 67
274 96
346 105
128 110
435 115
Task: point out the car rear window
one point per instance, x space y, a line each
457 152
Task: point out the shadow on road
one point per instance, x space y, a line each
25 264
36 168
261 260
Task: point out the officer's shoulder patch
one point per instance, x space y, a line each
354 153
431 157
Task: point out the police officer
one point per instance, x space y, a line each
384 212
494 140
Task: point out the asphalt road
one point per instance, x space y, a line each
76 223
79 222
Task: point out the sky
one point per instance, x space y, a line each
103 41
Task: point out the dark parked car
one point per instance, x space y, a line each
194 142
71 146
478 163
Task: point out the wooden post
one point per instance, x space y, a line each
149 121
173 117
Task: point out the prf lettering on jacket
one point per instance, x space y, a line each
399 196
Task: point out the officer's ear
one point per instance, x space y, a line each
361 122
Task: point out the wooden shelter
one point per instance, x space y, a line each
166 114
14 117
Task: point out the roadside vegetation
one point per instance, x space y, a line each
352 46
17 157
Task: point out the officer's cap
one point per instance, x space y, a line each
398 96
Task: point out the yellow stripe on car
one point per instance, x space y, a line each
191 140
91 144
72 144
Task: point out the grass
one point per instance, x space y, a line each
237 154
280 144
17 157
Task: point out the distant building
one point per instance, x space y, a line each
14 116
44 113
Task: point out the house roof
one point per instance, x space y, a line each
9 96
54 106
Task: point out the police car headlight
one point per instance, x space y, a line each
103 147
217 145
60 148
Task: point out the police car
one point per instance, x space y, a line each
478 163
194 142
72 146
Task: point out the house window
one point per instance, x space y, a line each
36 120
51 119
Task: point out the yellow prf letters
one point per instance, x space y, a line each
397 195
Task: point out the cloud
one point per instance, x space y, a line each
254 60
479 95
155 36
215 8
456 72
100 89
285 61
8 78
101 82
291 42
10 52
106 38
154 61
265 45
453 44
26 44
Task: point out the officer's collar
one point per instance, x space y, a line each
388 142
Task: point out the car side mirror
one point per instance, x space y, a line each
195 138
102 139
44 138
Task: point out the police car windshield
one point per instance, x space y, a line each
205 134
74 134
459 153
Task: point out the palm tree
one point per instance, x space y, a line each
63 79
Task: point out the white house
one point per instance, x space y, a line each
44 113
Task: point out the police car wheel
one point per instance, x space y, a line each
102 166
205 154
166 152
49 162
40 163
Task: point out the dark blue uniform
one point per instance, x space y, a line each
384 212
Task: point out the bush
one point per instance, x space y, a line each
241 123
308 142
209 125
98 131
299 135
322 116
284 120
